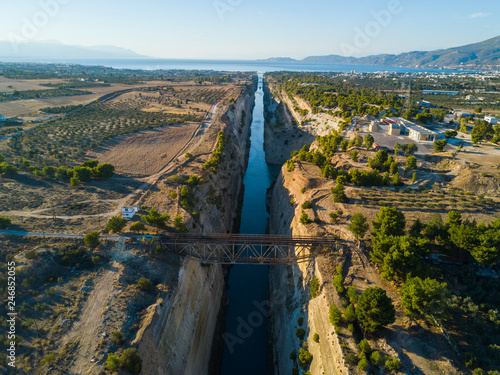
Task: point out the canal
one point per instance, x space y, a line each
245 349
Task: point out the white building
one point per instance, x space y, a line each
129 212
492 120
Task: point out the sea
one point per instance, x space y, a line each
231 65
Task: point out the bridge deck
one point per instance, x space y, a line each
246 249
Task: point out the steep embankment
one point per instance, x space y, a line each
292 302
179 334
290 124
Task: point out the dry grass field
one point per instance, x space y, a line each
144 153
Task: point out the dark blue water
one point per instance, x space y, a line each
230 65
245 349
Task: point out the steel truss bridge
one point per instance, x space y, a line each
246 249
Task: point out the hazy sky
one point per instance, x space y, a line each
247 29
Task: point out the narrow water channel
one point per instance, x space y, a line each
245 349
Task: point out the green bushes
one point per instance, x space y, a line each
305 358
8 170
338 280
316 338
314 287
130 360
145 284
375 310
306 205
300 333
179 225
304 218
5 222
116 224
217 156
335 316
92 239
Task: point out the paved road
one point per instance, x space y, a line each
21 233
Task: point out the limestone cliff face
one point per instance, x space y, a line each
179 335
286 128
290 296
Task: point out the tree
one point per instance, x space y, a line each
343 145
335 316
389 222
352 293
482 131
450 133
396 179
92 239
338 192
314 287
155 219
131 361
306 205
105 170
304 218
359 141
439 145
116 224
350 314
397 148
137 227
338 280
179 225
398 255
375 310
354 155
411 162
422 297
5 222
316 337
83 174
393 168
358 225
409 149
454 218
369 140
365 347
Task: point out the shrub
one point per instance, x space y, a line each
314 287
300 321
392 363
117 337
335 316
179 225
4 222
338 280
30 255
304 358
92 239
49 358
293 355
173 195
376 358
112 362
300 333
316 337
303 190
145 284
188 155
306 205
350 327
74 181
351 359
365 347
363 364
304 218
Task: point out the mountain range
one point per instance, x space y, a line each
482 55
56 50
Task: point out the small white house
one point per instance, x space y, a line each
492 120
129 212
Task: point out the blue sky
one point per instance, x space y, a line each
247 29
